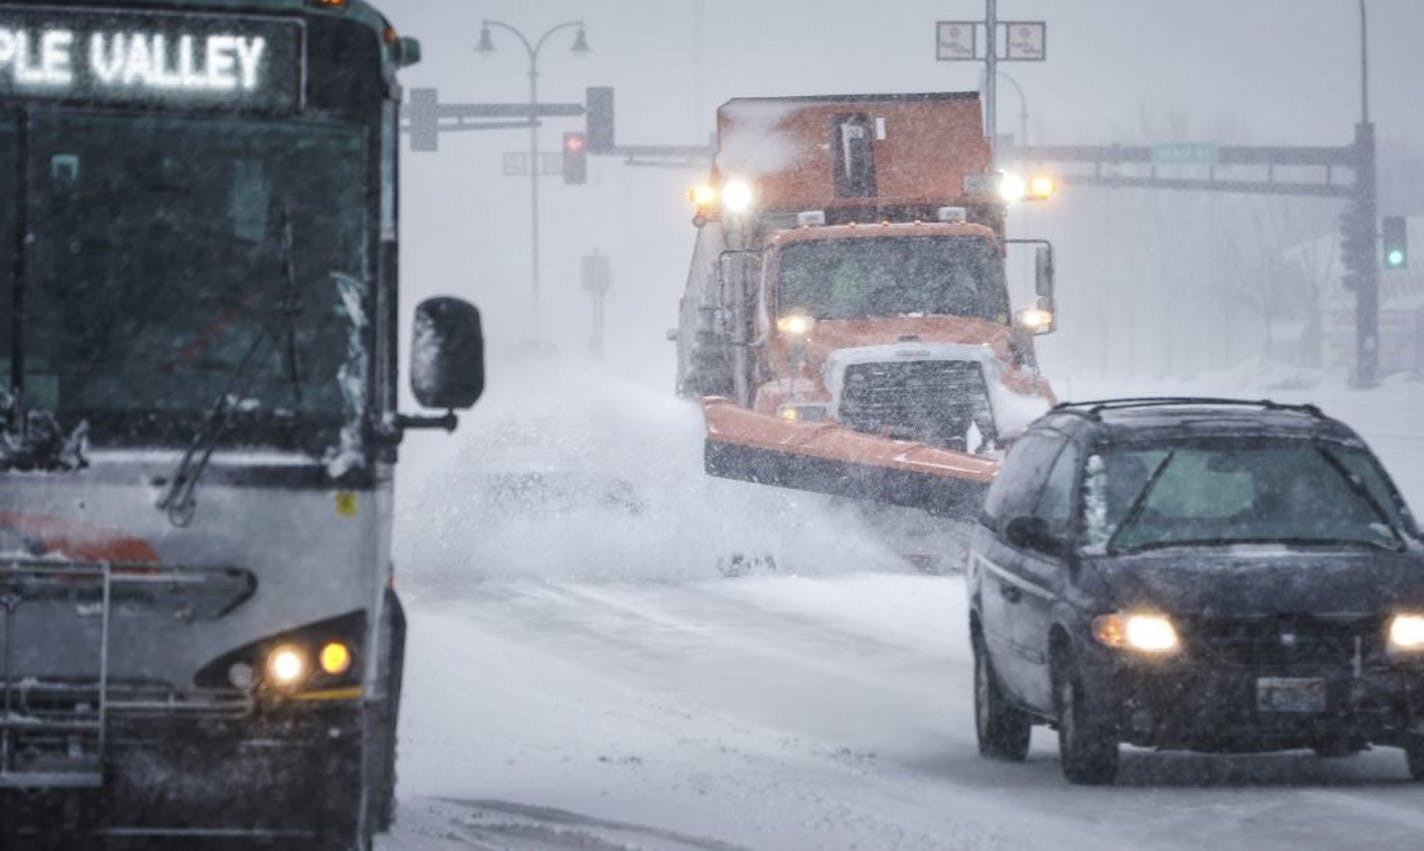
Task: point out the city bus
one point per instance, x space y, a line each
199 633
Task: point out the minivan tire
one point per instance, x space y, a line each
1087 744
1414 755
1002 729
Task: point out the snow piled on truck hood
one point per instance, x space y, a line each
498 499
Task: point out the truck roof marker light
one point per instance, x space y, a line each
1012 187
330 4
1041 188
952 215
737 196
811 218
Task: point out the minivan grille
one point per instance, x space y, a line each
927 400
1285 641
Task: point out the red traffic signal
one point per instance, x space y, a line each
575 158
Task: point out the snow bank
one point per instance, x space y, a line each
564 471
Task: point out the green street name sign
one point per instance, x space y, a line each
1184 152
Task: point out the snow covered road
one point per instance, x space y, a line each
582 678
787 712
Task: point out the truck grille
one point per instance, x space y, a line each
1287 641
927 400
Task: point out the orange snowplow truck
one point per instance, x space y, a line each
846 324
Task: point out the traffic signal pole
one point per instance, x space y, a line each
1364 267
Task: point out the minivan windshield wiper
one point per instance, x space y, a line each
1359 489
1282 542
1138 504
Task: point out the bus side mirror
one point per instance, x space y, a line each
447 361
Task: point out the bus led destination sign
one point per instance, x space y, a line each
150 59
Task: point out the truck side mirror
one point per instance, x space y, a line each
447 362
1043 275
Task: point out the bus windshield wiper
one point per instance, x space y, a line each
178 500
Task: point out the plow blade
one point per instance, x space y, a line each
832 459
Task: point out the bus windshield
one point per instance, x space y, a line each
892 276
159 249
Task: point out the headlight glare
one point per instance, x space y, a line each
286 666
1145 633
737 195
1406 632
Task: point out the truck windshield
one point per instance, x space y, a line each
155 253
1291 492
892 276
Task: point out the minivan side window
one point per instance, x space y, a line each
1016 489
1055 504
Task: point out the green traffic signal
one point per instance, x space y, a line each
1394 232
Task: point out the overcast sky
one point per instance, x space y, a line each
1225 71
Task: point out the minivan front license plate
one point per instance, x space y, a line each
1290 694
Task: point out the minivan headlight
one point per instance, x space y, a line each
1145 633
1406 632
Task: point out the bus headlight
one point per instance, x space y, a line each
1406 633
286 666
1145 633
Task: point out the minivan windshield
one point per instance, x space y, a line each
1296 492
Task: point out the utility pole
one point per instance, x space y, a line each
991 75
1366 201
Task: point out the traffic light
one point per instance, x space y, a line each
575 158
1396 242
598 118
1358 255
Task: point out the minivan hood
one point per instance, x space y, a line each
1249 579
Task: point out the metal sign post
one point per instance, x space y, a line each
1023 41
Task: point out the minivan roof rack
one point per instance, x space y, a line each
1092 409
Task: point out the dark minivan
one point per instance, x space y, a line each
1200 574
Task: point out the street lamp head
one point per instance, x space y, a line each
486 44
580 42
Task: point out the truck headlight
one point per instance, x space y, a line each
737 195
1406 632
795 325
1145 633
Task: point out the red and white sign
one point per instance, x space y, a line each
1027 41
956 41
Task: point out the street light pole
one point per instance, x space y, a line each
487 45
1023 109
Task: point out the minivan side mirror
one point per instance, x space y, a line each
447 361
1033 533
